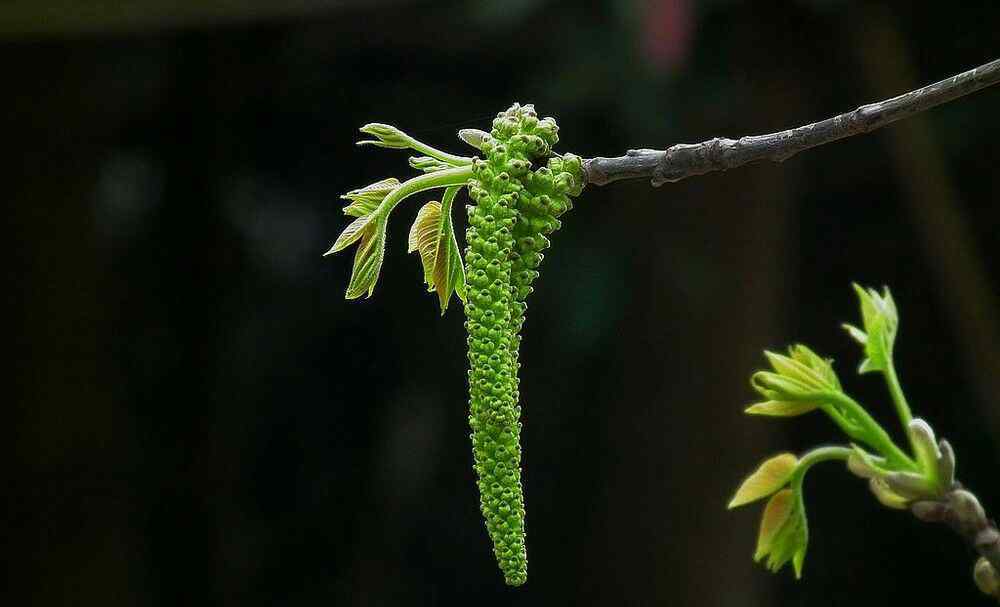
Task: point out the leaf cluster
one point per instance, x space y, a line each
801 382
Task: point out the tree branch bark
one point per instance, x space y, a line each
719 154
961 511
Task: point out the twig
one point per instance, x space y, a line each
719 154
961 511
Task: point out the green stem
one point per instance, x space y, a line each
898 399
810 459
458 176
871 432
451 159
447 198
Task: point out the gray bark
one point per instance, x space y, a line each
719 154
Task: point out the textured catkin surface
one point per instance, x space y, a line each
513 207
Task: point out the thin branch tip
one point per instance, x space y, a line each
685 160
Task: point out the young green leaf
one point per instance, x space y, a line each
881 320
776 515
365 200
433 236
775 386
805 367
821 366
784 532
353 232
424 238
780 408
772 475
367 260
450 274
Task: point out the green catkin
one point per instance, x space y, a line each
513 208
518 189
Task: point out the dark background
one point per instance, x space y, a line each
199 417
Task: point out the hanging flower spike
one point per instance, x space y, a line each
514 208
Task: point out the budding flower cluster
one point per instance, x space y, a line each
514 207
518 190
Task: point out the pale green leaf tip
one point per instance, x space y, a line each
797 561
766 480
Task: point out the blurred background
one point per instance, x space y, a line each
200 418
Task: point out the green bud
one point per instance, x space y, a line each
946 465
886 495
386 136
967 509
910 486
987 579
929 511
474 137
925 447
775 386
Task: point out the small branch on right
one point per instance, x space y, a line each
919 477
720 153
962 512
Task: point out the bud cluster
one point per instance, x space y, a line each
513 208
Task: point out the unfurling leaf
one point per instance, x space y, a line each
424 237
776 515
805 367
433 237
775 386
784 532
802 377
365 200
821 366
772 475
352 233
881 321
780 408
368 260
